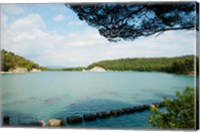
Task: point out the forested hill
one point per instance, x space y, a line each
180 65
12 61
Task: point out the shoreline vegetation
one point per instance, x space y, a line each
12 63
184 65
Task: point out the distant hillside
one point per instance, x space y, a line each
11 61
179 65
73 69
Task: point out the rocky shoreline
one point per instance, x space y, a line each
94 69
97 69
101 69
19 70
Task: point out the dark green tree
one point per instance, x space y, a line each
178 65
180 112
182 66
128 21
12 61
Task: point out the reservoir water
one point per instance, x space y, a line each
41 96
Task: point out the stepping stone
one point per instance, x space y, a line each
55 122
74 119
117 112
6 120
128 110
40 123
90 117
102 115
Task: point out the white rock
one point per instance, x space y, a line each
55 122
98 69
35 70
18 70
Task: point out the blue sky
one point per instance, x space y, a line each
52 35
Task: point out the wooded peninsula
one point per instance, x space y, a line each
177 65
11 61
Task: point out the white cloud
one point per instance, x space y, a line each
85 38
23 37
172 43
11 9
27 36
33 21
58 18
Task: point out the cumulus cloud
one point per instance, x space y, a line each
31 21
85 38
27 37
172 43
58 18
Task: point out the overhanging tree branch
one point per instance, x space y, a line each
128 21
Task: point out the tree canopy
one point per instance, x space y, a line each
128 21
178 65
12 61
180 113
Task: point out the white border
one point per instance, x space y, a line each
78 1
86 1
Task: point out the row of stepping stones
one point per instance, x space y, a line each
88 117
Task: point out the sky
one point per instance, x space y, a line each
52 35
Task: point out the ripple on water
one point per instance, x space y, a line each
52 100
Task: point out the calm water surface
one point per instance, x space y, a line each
41 96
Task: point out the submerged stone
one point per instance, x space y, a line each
6 120
90 117
116 112
128 110
102 115
146 106
74 119
40 123
142 108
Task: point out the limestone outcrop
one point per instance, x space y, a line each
97 69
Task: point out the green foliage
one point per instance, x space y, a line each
12 61
179 65
74 69
182 66
128 21
180 112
